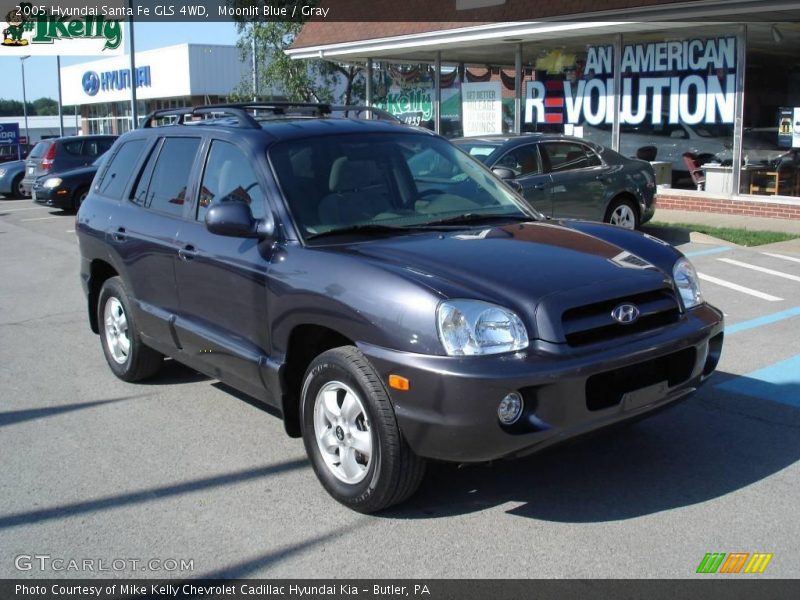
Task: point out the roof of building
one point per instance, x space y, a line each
390 19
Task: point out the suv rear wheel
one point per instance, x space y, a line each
128 357
351 435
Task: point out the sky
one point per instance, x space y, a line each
41 75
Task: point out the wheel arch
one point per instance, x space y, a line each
625 195
99 272
306 341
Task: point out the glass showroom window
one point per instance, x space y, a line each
569 88
771 136
678 105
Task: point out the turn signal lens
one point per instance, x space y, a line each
399 383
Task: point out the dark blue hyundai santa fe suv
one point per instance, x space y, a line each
391 311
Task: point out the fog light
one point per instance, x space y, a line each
510 409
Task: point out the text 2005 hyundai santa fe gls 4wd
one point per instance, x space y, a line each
392 298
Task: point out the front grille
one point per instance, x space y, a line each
593 323
606 389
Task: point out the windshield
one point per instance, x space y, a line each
404 180
98 162
478 150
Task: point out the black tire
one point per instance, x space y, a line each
393 472
16 187
140 361
620 202
78 197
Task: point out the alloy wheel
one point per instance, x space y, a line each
342 431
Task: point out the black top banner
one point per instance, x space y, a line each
441 12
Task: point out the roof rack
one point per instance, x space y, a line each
238 111
377 113
245 113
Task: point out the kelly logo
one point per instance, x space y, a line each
33 25
735 562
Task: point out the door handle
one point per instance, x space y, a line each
187 253
119 235
603 178
537 186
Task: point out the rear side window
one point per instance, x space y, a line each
94 148
115 177
568 156
39 150
165 189
72 147
228 177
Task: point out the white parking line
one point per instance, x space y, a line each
41 218
739 288
792 258
5 210
744 265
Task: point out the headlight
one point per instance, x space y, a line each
2 172
687 282
472 327
52 182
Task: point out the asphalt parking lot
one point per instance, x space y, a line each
183 468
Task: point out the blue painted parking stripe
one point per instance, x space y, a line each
716 250
761 321
779 383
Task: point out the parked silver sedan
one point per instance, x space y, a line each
567 177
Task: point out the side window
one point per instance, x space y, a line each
94 148
73 147
523 161
115 177
568 156
229 177
165 190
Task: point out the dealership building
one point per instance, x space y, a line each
707 90
171 77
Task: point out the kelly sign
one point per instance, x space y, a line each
689 81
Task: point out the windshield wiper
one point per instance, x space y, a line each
366 228
476 218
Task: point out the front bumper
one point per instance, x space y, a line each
450 410
58 197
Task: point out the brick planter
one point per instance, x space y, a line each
750 207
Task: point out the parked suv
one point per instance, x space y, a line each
390 315
60 154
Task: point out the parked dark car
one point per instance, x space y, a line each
566 177
11 174
66 189
390 317
59 154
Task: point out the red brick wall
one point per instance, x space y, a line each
731 207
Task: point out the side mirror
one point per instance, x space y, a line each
234 219
503 173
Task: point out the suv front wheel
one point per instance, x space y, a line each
351 434
125 353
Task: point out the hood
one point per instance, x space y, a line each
528 267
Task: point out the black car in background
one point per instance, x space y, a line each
389 315
59 154
566 177
66 189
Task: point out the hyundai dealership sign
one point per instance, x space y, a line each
119 79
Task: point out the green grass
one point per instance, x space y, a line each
742 237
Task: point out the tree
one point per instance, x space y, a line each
45 106
279 75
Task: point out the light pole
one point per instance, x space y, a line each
24 99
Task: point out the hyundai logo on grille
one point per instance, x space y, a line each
626 314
